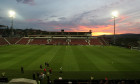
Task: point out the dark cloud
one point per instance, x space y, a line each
89 14
86 18
19 0
53 16
1 17
93 17
30 2
62 18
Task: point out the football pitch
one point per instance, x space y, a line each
77 62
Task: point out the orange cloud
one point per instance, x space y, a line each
122 18
96 30
128 23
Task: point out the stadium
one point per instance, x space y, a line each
82 57
69 42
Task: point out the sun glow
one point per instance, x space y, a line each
100 33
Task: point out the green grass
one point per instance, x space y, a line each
78 62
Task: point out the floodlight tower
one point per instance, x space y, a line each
12 15
114 14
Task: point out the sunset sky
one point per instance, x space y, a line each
73 15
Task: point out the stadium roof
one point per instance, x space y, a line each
3 26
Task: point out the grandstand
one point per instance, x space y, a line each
38 41
23 41
52 41
57 41
12 40
57 38
3 41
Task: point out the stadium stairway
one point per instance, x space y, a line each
103 41
3 41
7 41
30 40
12 40
18 40
23 41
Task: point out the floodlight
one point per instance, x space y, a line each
12 13
115 13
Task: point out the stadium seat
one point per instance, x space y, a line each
3 41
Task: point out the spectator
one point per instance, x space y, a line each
37 74
50 71
22 70
48 77
41 77
38 81
34 76
92 78
123 82
3 74
101 82
60 70
106 78
106 82
45 70
45 63
41 66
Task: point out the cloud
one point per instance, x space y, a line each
30 2
32 20
98 20
1 17
62 18
98 16
96 29
19 0
120 19
123 18
53 16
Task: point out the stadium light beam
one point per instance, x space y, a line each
12 15
114 14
